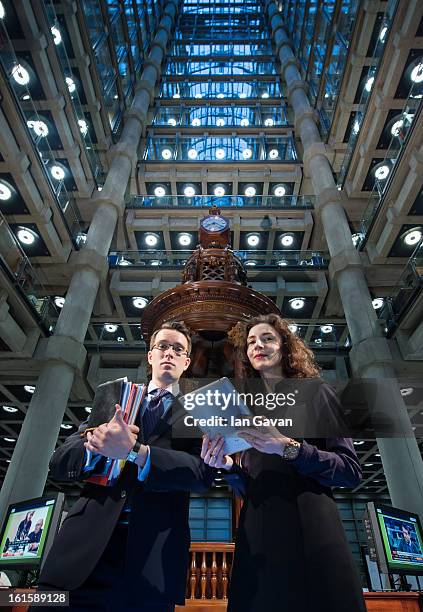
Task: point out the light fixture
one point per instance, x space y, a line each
159 191
83 126
250 262
26 236
247 153
406 391
189 191
57 172
176 95
317 341
273 154
265 95
220 95
219 191
124 262
151 240
10 409
382 172
71 84
326 329
297 303
368 465
116 97
253 240
250 191
377 303
26 97
139 302
110 327
269 122
220 122
356 127
242 95
192 153
196 122
356 238
412 237
59 301
171 122
29 388
57 37
220 153
358 442
7 439
293 328
397 127
88 409
287 240
377 454
166 153
5 192
120 339
245 122
417 73
2 11
282 262
382 33
279 191
39 127
184 239
369 84
65 426
198 96
155 262
20 74
99 188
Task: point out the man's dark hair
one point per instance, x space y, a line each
178 326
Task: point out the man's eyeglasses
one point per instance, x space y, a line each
165 346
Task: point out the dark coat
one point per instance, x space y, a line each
291 550
158 537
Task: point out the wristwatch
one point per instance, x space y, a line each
133 454
291 450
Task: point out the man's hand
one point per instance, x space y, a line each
266 439
113 439
212 453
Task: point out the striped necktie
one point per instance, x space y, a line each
153 412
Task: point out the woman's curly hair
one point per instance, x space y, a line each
297 360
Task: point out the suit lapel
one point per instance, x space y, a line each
173 414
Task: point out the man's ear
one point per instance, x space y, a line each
187 362
149 356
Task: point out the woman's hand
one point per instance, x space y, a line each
212 453
267 439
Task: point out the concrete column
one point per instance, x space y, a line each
370 357
65 351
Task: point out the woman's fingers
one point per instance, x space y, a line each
204 446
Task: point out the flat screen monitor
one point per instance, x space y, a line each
398 539
28 532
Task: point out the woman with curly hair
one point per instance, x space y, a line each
291 551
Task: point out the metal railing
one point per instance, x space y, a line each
206 201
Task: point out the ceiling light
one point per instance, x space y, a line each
282 262
297 303
39 127
326 329
377 454
71 84
26 236
273 153
368 465
293 328
198 96
6 439
287 240
220 122
184 239
250 191
124 262
176 95
2 11
57 173
382 34
159 191
382 172
269 122
65 426
192 153
139 302
88 409
413 237
247 153
356 127
26 97
171 122
356 238
5 192
99 188
417 73
166 153
245 122
253 240
279 191
406 391
318 341
155 262
358 442
219 191
20 74
189 191
377 303
220 95
29 388
83 126
59 301
265 95
10 409
57 37
369 84
250 262
120 339
196 122
220 153
151 240
110 327
242 95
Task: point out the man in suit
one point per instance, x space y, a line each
126 547
406 544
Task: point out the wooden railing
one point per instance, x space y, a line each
210 565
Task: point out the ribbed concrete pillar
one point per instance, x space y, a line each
65 351
370 356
